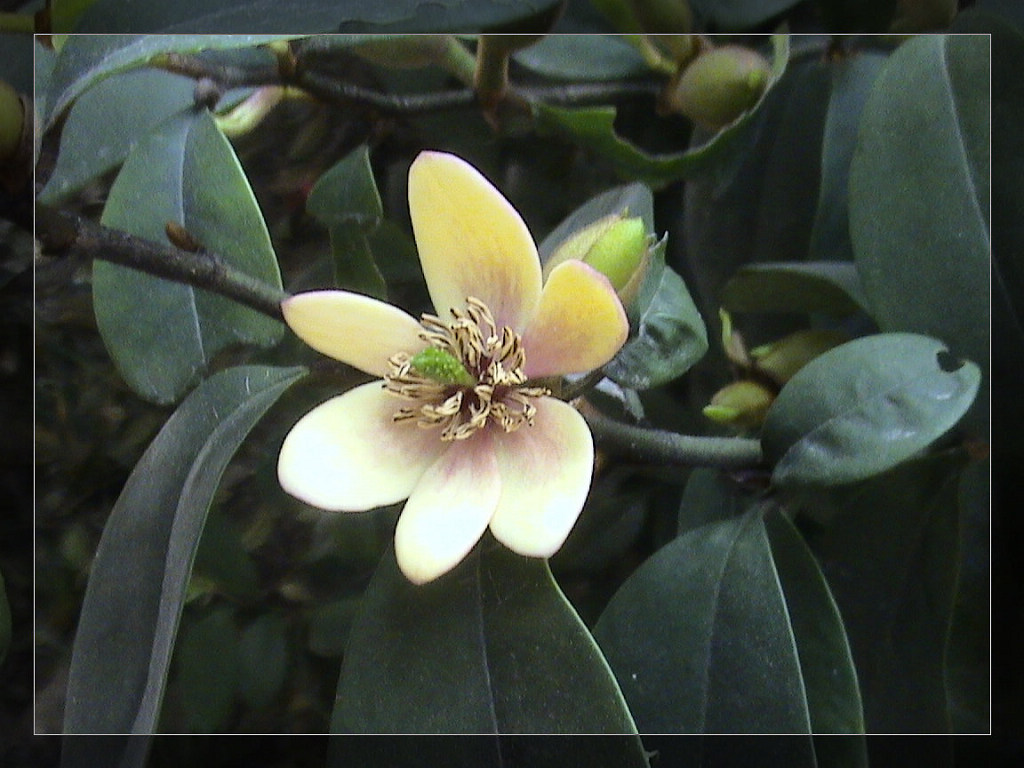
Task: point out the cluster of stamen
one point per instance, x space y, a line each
494 360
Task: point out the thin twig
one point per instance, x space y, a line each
662 447
67 233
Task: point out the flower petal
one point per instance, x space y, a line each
347 454
352 328
449 509
579 326
471 241
545 476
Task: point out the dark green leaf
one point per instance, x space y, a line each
163 334
346 199
583 57
830 287
631 199
139 576
968 657
207 670
308 16
354 266
919 195
889 553
86 59
700 640
830 680
491 647
669 337
852 78
594 128
738 15
347 192
109 120
710 496
263 659
863 407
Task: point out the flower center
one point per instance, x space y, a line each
470 375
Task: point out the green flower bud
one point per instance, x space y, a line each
741 404
781 359
616 246
442 367
719 85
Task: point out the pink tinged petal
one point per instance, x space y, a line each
579 326
347 454
448 510
545 476
471 241
354 329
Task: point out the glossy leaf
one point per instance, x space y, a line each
669 336
738 15
830 680
582 57
345 198
347 192
919 194
863 407
852 78
829 287
490 647
710 496
594 129
306 16
889 553
207 670
162 334
700 640
86 59
106 123
140 573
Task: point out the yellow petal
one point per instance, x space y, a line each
347 454
352 328
449 509
579 326
545 476
471 241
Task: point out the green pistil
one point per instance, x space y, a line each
442 367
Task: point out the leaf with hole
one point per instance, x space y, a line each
863 407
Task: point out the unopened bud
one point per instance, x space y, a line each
741 404
249 113
781 359
616 246
720 85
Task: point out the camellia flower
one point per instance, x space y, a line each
461 423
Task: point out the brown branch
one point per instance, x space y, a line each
66 233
